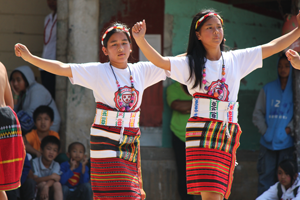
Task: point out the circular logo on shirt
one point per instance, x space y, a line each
215 86
125 97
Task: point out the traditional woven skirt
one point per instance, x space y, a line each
211 155
115 166
12 150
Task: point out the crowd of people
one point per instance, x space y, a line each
204 122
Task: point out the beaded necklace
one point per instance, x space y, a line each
204 81
47 41
123 107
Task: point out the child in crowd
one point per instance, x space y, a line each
288 186
75 174
43 119
46 172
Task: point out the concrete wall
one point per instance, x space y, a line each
23 22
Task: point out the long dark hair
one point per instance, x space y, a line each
289 167
196 52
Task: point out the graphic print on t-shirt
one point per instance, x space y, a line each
126 97
74 180
215 86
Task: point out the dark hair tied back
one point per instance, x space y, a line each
115 30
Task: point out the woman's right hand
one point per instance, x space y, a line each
139 30
22 51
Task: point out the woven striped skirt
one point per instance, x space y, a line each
115 167
12 150
210 155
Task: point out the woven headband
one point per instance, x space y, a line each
112 28
205 16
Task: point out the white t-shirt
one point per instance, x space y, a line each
100 78
238 64
49 48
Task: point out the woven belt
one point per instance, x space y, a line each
215 109
116 118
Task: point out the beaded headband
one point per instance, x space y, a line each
205 16
112 28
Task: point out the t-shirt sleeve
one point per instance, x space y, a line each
85 74
56 168
248 60
30 138
172 94
152 74
180 70
53 133
35 167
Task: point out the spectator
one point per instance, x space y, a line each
180 101
43 119
75 174
49 47
46 172
28 95
288 186
273 116
27 189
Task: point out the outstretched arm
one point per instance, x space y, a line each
138 32
52 66
282 42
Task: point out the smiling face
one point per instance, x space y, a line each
211 33
49 152
18 83
118 49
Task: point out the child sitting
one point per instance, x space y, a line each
288 186
75 174
46 172
43 118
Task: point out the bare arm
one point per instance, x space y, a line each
52 66
8 98
138 32
43 179
182 106
282 42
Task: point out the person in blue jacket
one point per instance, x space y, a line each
273 115
75 179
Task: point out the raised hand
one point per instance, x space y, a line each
22 51
139 30
73 164
293 57
84 160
